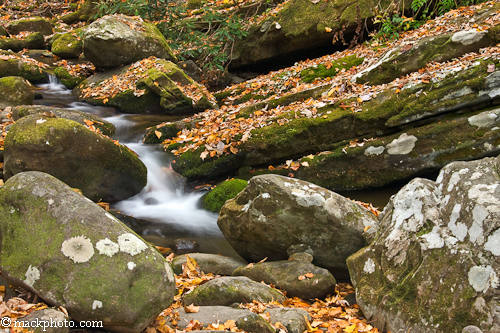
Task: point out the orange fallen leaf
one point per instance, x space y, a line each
158 134
309 275
192 309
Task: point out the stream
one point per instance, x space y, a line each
164 210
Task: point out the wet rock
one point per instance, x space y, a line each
34 40
15 90
245 319
116 40
301 256
184 245
209 263
36 24
79 116
298 278
191 69
12 64
229 290
433 265
74 154
50 317
274 212
72 253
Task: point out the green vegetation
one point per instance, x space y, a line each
216 198
322 71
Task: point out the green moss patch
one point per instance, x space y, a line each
216 198
330 70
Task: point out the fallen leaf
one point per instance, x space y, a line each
309 275
158 134
304 164
301 277
491 68
328 29
192 309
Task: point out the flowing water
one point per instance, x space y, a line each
173 213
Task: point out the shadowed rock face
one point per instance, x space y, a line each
433 266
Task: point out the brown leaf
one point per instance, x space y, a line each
301 277
192 309
309 275
158 134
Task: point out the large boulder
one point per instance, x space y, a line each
13 64
80 117
151 85
69 45
229 290
69 151
274 213
34 40
72 253
298 278
434 264
36 24
116 40
15 90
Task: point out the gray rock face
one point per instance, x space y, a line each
293 319
37 24
276 212
74 254
116 40
48 316
15 90
77 156
209 263
245 319
229 290
434 264
290 276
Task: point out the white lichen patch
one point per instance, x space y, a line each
32 275
493 243
481 278
50 201
266 195
483 119
467 37
107 247
402 145
131 244
79 249
246 206
476 175
372 150
458 229
41 121
479 214
455 178
432 240
485 195
369 266
131 265
96 305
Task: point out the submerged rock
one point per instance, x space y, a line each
72 253
274 213
433 266
74 154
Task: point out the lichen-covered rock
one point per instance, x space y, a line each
34 40
151 85
36 24
116 40
13 64
434 264
79 116
405 59
68 46
74 254
274 213
298 278
15 90
245 319
295 320
209 263
229 290
74 154
217 197
85 12
45 320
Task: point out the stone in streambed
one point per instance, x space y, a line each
15 90
77 156
72 253
209 263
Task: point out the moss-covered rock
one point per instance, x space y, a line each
74 154
74 254
209 263
68 80
32 41
217 197
159 87
79 116
229 290
118 40
36 24
69 45
274 213
290 276
433 266
84 12
15 90
322 71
